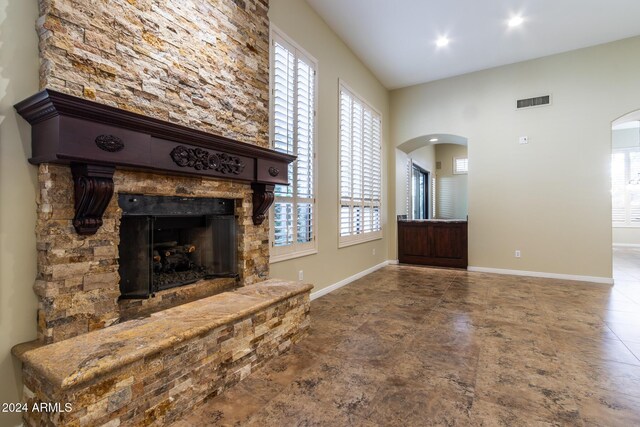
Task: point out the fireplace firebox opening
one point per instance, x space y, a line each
168 241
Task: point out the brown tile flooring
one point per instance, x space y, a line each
411 346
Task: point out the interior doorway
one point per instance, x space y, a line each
625 197
431 177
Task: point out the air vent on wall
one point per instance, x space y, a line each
538 101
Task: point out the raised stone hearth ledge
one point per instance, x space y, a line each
152 370
85 357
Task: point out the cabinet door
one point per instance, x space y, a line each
446 241
433 243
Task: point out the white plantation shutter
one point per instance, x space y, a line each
625 196
633 191
618 187
360 170
433 197
460 165
293 83
408 188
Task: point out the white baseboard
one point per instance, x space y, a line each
338 285
626 245
592 279
392 261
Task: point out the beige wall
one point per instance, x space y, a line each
525 196
425 157
18 80
451 189
335 61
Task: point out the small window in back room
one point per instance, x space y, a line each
460 165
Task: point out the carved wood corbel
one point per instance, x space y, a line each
93 189
262 199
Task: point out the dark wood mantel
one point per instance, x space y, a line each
95 139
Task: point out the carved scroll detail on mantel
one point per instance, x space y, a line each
200 159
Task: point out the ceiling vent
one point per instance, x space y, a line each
538 101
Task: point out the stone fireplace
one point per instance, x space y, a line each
153 249
146 215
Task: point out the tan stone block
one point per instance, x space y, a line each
89 92
64 271
100 280
44 288
74 328
105 251
100 41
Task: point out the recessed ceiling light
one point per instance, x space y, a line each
433 140
442 41
515 21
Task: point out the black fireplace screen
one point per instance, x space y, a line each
174 241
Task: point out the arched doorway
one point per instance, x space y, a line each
625 197
433 172
431 185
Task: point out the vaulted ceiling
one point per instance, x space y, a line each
396 39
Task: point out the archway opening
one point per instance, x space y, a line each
434 172
625 197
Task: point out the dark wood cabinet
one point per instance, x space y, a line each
439 243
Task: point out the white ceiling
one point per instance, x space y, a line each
396 38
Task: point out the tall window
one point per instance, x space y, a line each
360 170
625 187
419 193
293 90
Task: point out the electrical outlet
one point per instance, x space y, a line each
301 275
517 254
523 140
373 252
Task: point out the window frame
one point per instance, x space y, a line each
455 166
296 249
346 241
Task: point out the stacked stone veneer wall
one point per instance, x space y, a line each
161 387
78 281
201 63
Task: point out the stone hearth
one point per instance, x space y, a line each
151 371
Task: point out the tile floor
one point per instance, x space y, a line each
412 346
